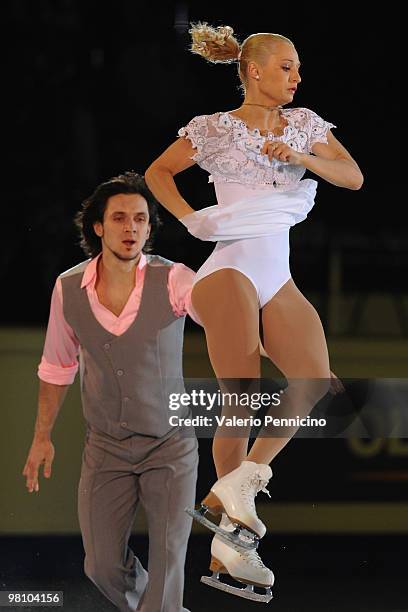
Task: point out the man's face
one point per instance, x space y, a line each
125 227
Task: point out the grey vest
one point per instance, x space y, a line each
126 380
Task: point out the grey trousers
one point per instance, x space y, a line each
116 475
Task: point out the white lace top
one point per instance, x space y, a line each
230 151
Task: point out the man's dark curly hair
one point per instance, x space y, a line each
93 209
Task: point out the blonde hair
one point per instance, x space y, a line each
218 45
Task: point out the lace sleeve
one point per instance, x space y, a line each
318 128
196 131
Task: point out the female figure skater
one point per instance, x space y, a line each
257 155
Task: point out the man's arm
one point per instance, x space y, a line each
56 372
50 399
179 286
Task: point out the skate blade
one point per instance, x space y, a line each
247 593
228 537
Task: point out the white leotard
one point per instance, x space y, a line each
258 199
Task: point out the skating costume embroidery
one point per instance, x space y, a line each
259 199
231 152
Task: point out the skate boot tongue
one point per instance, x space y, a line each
262 469
260 477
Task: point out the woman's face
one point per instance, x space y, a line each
279 77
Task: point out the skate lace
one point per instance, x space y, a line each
252 486
252 557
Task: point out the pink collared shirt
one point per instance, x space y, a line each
59 362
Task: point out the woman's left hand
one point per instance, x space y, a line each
282 152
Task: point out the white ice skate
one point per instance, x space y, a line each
235 495
243 566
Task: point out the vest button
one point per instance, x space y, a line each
106 346
120 372
123 424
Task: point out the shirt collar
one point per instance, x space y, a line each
90 273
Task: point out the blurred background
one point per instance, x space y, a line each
92 89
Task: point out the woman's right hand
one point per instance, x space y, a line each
159 176
198 227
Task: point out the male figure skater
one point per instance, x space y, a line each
123 311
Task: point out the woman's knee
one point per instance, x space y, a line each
308 391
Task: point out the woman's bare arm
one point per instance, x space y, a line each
330 161
334 163
159 176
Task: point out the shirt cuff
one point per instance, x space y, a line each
57 375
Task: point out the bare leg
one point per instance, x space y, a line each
295 342
227 305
